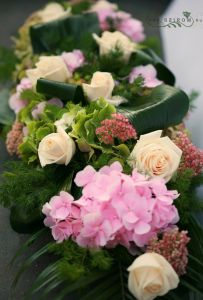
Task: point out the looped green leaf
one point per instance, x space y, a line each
165 106
63 91
75 31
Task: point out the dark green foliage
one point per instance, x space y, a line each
25 189
193 96
153 42
7 116
80 7
8 62
188 202
57 35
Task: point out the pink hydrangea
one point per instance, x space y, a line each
114 209
62 216
73 60
149 74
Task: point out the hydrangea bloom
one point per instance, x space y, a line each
114 208
148 73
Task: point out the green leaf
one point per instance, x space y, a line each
148 56
63 91
30 95
7 116
165 106
77 29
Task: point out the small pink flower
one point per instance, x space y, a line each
39 108
62 231
85 176
73 60
132 28
25 84
61 206
149 74
16 104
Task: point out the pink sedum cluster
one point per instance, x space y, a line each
73 60
192 156
173 246
149 74
114 209
118 127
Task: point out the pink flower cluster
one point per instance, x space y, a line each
121 21
15 102
173 246
149 74
73 60
118 127
192 156
114 208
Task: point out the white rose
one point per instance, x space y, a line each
49 67
52 11
102 85
112 40
151 276
103 4
56 148
155 156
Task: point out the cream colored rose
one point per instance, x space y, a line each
52 11
56 148
101 85
155 156
151 276
112 40
49 67
103 4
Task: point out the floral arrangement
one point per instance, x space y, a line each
104 170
